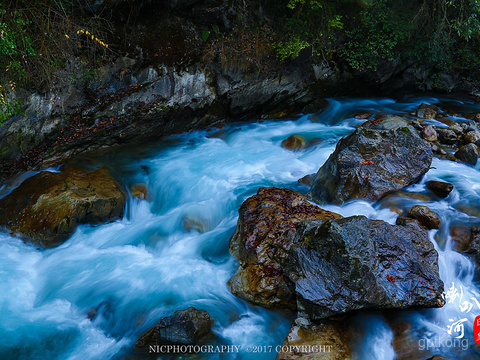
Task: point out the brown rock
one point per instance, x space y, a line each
426 216
471 137
427 111
330 335
265 231
363 116
47 207
429 133
467 239
294 142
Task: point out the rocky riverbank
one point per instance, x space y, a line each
172 81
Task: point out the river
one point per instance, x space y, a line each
147 265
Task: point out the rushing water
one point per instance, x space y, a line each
147 265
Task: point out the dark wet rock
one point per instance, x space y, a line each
294 142
440 188
410 222
427 111
307 180
458 129
139 191
429 133
372 162
265 231
439 357
426 216
447 136
47 207
471 137
468 154
356 263
331 335
183 327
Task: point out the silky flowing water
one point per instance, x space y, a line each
128 274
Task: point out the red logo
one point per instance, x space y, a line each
476 330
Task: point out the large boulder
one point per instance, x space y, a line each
355 263
47 208
384 155
265 231
183 327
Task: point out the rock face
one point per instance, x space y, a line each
183 327
426 216
372 162
356 263
330 335
47 207
440 188
265 231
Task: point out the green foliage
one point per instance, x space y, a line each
466 21
9 104
15 42
378 30
290 48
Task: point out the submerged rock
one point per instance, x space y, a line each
139 191
323 341
468 154
440 188
183 327
265 231
426 216
372 162
294 142
355 263
47 208
467 241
